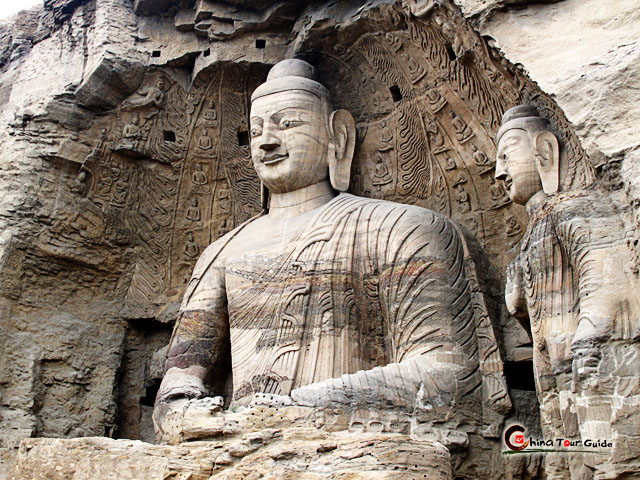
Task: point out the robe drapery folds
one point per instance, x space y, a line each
372 303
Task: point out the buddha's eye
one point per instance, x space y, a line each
285 124
255 132
504 156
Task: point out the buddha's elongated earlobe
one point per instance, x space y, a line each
341 148
547 154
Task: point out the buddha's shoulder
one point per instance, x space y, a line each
217 252
386 211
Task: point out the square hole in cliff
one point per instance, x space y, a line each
452 55
155 53
243 138
260 43
169 136
395 93
520 375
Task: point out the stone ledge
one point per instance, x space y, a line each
269 454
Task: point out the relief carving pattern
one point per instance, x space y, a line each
170 177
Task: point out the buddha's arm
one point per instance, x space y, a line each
514 295
428 313
423 383
596 249
198 359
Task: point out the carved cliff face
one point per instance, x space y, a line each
289 140
515 165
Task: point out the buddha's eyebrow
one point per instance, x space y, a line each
510 141
256 120
277 116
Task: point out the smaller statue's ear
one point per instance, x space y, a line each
548 161
342 145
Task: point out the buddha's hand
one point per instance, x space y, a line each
513 292
271 400
586 363
174 420
204 406
167 419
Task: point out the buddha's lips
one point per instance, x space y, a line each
273 159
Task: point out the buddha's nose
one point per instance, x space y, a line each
268 140
501 170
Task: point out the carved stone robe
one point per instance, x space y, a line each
581 296
370 303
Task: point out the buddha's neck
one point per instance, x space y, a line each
291 204
534 202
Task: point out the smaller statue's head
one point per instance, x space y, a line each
528 157
297 139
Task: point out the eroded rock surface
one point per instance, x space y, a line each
268 454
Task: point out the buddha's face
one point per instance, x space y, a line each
516 166
289 140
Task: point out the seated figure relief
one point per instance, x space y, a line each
328 302
573 287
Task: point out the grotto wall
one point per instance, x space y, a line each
584 54
125 153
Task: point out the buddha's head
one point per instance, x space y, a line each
528 158
297 139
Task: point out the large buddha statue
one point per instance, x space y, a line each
572 285
328 301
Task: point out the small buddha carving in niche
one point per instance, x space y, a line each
436 139
482 160
463 131
191 248
199 177
451 164
131 134
499 196
193 211
210 114
120 191
572 287
308 307
80 183
204 141
462 197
